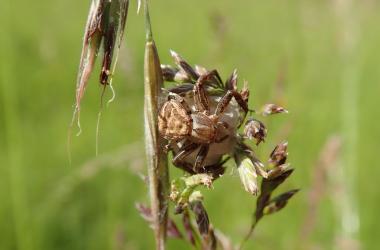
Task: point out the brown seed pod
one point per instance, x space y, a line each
279 154
270 109
255 129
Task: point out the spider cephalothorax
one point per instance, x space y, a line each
199 127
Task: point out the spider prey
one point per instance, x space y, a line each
197 129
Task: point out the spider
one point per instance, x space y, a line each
196 129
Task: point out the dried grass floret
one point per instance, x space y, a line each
105 26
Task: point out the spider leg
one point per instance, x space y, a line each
223 103
182 89
200 98
215 73
184 151
201 157
185 166
216 170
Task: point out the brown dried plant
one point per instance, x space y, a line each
105 27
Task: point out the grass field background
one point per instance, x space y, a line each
327 52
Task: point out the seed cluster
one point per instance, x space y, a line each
201 117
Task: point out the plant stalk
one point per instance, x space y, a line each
156 157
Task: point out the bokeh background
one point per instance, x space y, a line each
320 59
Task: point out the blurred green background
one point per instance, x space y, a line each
320 59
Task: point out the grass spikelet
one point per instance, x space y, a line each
105 28
156 158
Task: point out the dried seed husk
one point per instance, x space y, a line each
279 202
105 24
270 109
278 170
113 31
279 154
269 185
91 44
201 217
255 129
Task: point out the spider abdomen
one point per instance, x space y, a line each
174 121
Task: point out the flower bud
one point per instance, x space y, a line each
270 109
247 173
279 154
198 179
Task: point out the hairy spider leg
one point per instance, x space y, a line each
223 103
184 151
216 169
201 157
200 98
216 75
